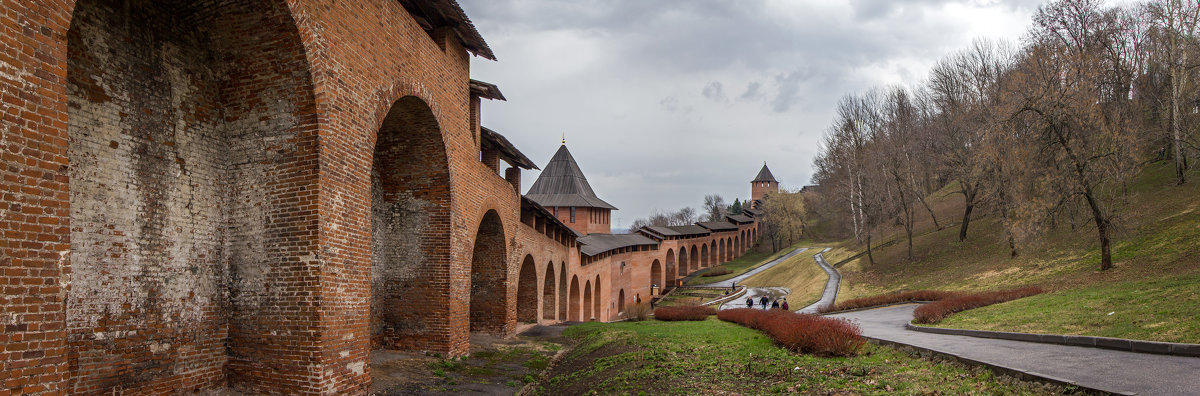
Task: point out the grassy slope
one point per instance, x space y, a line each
715 357
798 273
752 259
1156 256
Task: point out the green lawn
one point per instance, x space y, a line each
751 260
799 273
688 296
1164 309
715 357
1151 289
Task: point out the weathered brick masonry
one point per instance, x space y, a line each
254 194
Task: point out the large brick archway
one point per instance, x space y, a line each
409 199
576 309
670 270
188 127
527 291
489 277
683 261
563 303
548 293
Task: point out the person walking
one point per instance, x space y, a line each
749 302
785 306
775 304
764 300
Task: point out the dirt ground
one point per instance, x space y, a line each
495 366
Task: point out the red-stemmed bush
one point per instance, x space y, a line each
936 311
890 298
800 332
683 313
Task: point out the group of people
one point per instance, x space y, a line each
765 301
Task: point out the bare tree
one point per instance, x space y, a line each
714 207
1175 28
1079 113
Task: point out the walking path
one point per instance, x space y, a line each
772 293
731 281
831 286
1103 369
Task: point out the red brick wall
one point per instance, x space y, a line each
202 178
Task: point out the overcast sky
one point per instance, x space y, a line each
663 102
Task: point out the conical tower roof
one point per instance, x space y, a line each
765 175
562 184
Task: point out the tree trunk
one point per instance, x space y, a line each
1176 142
1102 224
936 225
870 257
969 197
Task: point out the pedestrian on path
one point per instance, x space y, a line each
785 306
749 302
764 300
775 304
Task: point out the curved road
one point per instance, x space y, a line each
1105 369
831 286
731 281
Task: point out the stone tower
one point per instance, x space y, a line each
762 184
563 190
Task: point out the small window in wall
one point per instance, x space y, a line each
572 214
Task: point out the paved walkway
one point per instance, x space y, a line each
831 286
772 293
1109 370
761 268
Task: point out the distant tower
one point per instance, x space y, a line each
563 190
761 185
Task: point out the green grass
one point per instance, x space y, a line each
715 357
691 296
746 262
1159 310
1154 246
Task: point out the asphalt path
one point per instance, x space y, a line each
1104 369
734 280
772 294
831 285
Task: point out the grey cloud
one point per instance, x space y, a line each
752 92
714 91
760 72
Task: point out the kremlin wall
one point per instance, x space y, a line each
254 195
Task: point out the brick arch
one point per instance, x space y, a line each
563 302
489 277
695 259
737 245
656 274
722 256
704 256
596 301
191 135
671 270
729 252
407 202
683 261
576 309
621 301
527 291
588 313
548 293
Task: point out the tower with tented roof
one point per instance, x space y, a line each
564 191
762 185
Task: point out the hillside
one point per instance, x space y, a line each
1153 292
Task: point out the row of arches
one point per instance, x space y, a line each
558 300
